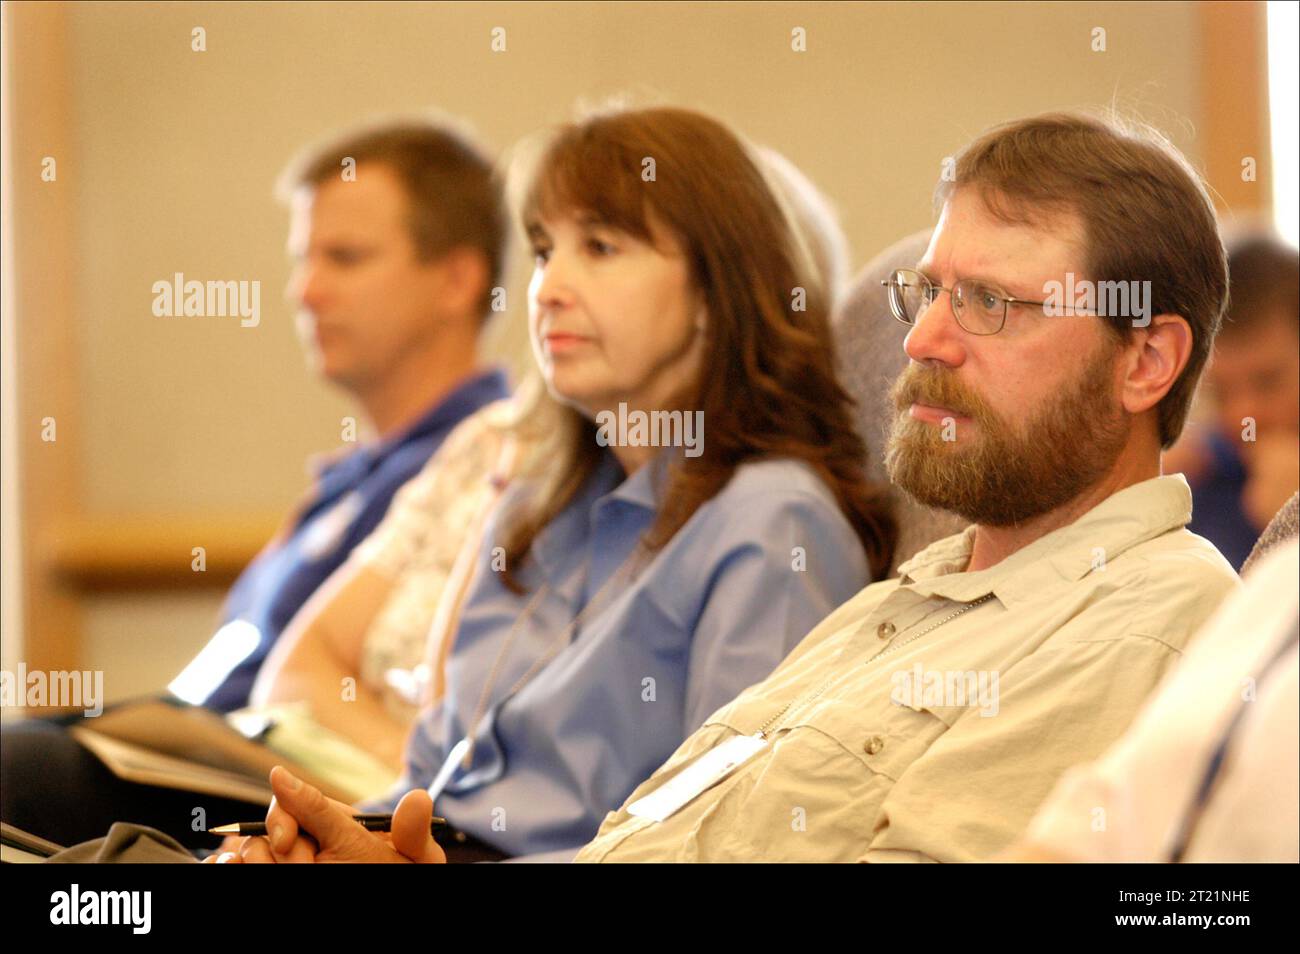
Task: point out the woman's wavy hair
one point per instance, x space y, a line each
768 387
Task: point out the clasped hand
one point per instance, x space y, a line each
305 827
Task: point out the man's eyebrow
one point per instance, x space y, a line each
1012 289
535 230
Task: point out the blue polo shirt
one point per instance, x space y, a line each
739 585
349 499
1217 512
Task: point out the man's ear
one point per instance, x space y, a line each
1158 355
464 277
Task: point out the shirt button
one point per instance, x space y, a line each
873 745
885 630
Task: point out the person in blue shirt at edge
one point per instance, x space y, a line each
394 271
398 234
1244 463
629 590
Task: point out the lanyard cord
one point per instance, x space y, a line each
809 700
553 649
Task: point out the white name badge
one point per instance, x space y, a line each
705 772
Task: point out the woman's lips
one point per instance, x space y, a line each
559 342
934 415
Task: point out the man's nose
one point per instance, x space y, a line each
935 335
306 286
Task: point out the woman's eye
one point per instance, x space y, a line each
598 247
540 255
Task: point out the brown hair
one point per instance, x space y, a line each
1146 217
768 387
1263 282
454 196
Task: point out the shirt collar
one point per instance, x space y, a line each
570 530
1137 513
474 392
574 529
642 488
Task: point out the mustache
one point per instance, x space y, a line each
915 386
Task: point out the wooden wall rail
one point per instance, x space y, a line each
153 552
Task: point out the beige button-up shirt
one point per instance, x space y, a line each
900 732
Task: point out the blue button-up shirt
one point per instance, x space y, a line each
351 496
752 571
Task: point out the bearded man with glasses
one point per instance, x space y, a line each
1076 584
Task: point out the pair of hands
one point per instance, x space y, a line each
305 827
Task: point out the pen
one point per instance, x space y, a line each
371 822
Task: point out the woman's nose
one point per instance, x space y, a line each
553 286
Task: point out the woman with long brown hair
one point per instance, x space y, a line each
702 506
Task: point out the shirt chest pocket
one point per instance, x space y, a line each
885 739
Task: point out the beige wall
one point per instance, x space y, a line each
174 152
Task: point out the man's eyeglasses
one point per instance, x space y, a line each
979 307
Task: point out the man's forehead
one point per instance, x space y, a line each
970 242
341 208
1267 343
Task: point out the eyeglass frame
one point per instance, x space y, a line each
1007 300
